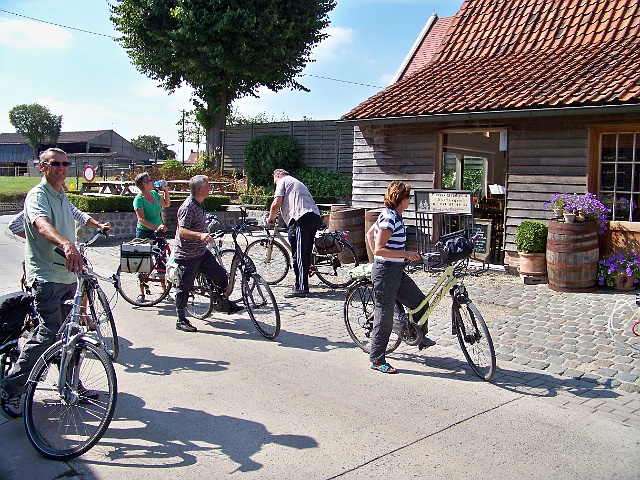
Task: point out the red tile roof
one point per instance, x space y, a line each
515 54
426 46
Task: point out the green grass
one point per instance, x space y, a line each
12 188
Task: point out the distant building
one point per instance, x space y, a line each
101 149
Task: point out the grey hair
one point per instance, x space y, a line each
49 152
197 182
280 172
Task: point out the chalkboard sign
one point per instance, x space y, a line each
482 228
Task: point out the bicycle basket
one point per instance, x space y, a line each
454 246
135 256
327 244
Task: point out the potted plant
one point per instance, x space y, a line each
619 271
556 204
531 244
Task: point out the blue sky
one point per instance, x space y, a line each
88 78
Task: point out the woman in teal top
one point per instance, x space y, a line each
148 207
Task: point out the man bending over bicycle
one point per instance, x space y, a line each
191 251
49 223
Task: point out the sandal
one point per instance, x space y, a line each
426 343
384 368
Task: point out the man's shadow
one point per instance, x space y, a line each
175 438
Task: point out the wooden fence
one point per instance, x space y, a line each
323 144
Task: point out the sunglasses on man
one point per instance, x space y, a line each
55 163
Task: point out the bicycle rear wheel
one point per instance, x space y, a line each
262 306
200 303
270 258
132 285
226 257
358 317
474 338
62 429
102 321
334 269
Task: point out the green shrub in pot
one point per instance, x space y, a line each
531 237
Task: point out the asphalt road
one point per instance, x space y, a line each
226 402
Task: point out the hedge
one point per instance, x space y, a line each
119 203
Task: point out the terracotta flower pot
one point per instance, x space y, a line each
533 264
623 282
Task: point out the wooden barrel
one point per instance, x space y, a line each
170 215
351 219
572 256
370 218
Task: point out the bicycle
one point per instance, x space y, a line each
467 322
332 265
256 293
72 389
624 323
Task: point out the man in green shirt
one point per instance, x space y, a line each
49 223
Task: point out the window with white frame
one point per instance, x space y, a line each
620 175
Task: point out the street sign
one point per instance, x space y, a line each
89 173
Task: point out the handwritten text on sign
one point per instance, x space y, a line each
444 201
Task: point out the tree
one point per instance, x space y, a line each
37 124
223 49
235 117
153 144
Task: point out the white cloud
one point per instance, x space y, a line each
334 45
27 34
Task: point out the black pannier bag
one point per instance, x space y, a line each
454 246
327 244
14 308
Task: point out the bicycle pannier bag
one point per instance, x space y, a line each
327 244
454 246
135 256
14 308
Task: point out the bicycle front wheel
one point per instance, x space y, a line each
200 303
102 321
226 257
474 338
64 428
262 306
358 317
270 258
142 289
334 269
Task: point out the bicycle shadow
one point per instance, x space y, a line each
175 438
144 360
530 383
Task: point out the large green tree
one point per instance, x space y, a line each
37 124
153 145
223 49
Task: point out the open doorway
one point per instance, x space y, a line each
476 160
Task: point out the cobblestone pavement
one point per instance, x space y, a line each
548 344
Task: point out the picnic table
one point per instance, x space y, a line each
104 187
180 186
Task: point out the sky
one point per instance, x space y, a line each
62 54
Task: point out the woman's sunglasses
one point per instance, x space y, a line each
55 163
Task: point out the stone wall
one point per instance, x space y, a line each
123 224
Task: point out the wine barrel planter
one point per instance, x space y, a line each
351 219
370 218
572 256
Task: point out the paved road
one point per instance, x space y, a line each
225 401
